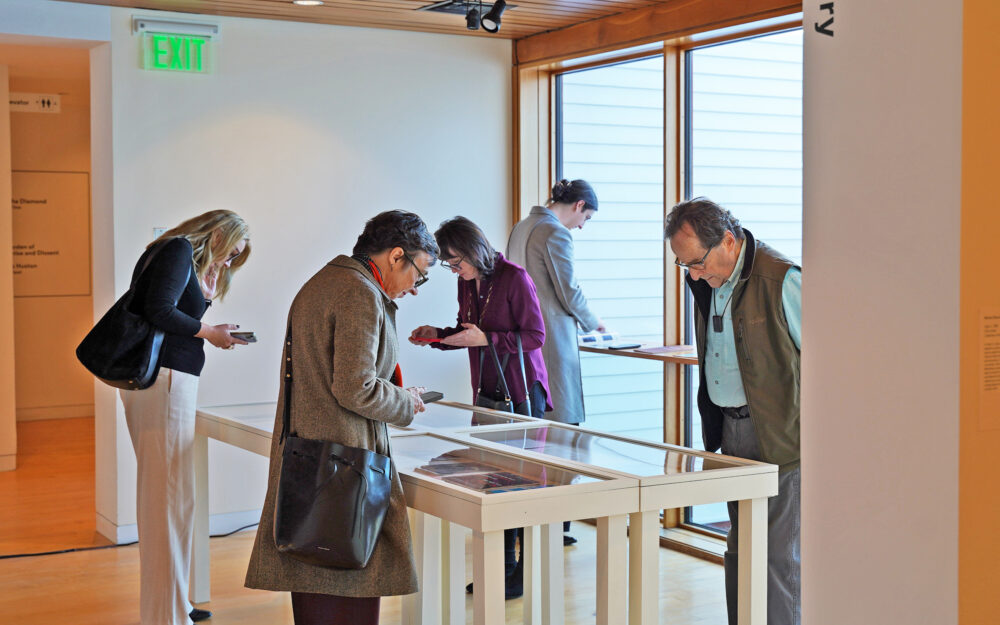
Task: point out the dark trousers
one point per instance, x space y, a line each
784 596
314 609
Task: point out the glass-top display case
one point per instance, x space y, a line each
478 469
258 415
631 457
453 416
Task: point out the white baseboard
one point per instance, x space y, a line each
9 463
217 524
55 412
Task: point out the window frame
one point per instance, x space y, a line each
536 144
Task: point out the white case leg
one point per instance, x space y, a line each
752 584
488 577
200 589
644 567
612 584
424 607
553 599
452 574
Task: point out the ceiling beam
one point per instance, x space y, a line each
669 20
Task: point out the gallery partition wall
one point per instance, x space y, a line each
717 115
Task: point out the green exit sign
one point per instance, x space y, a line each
176 53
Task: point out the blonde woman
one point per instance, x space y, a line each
188 267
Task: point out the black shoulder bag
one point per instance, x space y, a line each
123 349
332 499
503 402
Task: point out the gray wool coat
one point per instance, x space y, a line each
344 348
544 247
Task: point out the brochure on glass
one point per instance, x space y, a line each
477 469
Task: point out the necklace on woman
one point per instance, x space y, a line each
482 311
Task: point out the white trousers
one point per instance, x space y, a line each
161 425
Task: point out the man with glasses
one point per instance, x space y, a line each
747 317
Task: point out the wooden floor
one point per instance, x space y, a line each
101 587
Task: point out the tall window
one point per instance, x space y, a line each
610 133
744 105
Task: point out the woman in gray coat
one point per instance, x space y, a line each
543 245
347 387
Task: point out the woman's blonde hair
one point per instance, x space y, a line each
213 235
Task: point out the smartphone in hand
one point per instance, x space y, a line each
431 396
249 337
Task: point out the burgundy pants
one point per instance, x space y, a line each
314 609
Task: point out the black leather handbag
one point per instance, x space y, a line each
332 499
123 349
500 399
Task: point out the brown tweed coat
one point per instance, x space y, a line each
344 348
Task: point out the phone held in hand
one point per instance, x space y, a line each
426 339
431 396
249 337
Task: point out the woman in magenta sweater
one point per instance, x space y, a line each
496 299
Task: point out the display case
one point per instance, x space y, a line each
668 477
452 416
247 426
487 489
461 483
652 463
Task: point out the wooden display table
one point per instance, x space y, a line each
567 473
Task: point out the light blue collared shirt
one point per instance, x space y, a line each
722 369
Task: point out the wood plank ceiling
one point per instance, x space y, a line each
530 17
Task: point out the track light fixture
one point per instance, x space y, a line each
478 13
472 18
491 21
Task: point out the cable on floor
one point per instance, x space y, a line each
134 542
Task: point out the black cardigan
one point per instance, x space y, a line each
171 273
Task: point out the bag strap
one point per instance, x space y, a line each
496 363
130 294
524 378
286 413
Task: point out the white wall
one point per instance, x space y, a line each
306 131
880 324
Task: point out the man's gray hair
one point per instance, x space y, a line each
708 220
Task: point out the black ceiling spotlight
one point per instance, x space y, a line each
477 12
491 21
472 18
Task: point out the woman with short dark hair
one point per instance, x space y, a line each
496 302
347 388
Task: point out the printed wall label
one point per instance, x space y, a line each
51 233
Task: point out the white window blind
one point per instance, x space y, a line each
612 136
